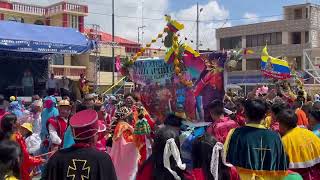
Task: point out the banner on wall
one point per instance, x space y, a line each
148 71
161 91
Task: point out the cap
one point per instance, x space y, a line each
64 103
84 124
27 126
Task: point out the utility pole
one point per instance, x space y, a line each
197 38
141 27
113 44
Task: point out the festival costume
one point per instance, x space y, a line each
81 161
302 118
221 127
124 152
256 152
240 118
316 130
303 149
49 112
198 174
28 161
57 128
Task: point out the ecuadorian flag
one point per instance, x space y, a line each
276 68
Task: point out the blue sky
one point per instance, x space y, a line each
129 15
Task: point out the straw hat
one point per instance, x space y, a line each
27 126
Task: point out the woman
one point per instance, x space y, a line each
314 122
9 128
204 149
160 165
10 155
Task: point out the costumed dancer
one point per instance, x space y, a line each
101 144
165 161
8 126
142 131
57 126
209 160
82 160
48 112
255 151
124 152
33 140
314 122
301 145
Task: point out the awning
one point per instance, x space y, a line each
21 37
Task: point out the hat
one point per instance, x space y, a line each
27 126
12 98
84 124
64 103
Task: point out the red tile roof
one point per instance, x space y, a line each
106 37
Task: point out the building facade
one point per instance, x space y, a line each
298 30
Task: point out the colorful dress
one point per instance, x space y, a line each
28 161
303 150
256 152
302 118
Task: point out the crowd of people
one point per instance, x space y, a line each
265 135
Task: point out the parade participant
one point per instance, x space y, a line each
52 85
165 161
301 146
57 126
86 88
33 140
240 116
124 152
314 122
36 115
9 128
209 161
302 117
82 160
221 125
276 108
254 150
101 144
10 160
27 83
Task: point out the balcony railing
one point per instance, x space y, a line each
72 72
45 11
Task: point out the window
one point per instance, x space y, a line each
266 39
73 21
253 64
296 37
106 64
306 36
39 22
261 41
279 38
254 40
307 13
298 13
231 42
58 59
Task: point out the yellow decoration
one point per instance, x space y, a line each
134 58
139 54
175 38
148 45
176 62
177 70
160 35
153 40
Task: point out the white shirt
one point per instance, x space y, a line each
36 125
54 137
33 143
52 84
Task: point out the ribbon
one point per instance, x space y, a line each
171 149
214 165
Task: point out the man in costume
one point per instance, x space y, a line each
57 126
221 125
255 151
82 160
301 145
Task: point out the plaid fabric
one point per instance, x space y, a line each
142 127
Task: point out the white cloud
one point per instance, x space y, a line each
250 18
210 18
129 13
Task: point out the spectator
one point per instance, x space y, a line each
52 85
10 160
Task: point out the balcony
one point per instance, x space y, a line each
44 11
72 72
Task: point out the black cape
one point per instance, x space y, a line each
76 163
